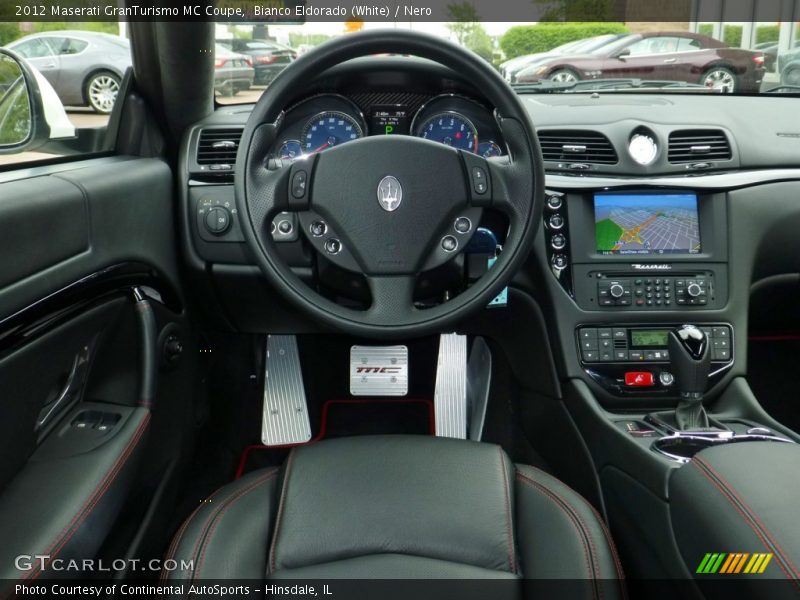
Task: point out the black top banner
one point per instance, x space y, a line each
294 11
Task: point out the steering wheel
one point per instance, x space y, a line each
390 206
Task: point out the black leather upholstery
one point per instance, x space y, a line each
63 505
399 507
738 498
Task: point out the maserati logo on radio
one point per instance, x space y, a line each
643 267
390 193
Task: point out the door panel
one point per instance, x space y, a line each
40 229
128 203
92 249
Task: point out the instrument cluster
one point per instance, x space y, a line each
327 120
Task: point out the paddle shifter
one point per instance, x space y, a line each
690 358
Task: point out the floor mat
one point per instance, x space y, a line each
347 418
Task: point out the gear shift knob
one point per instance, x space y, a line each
691 359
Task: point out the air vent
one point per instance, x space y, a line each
577 146
218 146
698 145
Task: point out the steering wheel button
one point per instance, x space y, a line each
318 228
479 180
285 227
462 225
333 246
299 184
449 243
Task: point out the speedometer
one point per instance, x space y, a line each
328 129
452 129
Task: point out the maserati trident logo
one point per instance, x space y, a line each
390 193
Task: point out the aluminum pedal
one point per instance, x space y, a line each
379 370
450 396
285 419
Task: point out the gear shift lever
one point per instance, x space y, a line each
690 358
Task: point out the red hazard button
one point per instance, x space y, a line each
639 379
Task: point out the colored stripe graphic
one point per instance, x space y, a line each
733 563
764 564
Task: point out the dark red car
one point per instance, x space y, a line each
673 56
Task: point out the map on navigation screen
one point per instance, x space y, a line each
646 223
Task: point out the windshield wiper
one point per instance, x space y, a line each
545 86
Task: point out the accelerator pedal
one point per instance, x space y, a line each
450 395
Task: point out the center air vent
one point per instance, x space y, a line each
577 146
698 145
218 146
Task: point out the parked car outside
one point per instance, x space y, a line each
511 68
672 56
789 66
268 58
233 72
84 67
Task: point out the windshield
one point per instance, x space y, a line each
574 57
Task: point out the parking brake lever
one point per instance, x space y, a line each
690 358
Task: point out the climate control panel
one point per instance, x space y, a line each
634 360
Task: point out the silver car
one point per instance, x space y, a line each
85 68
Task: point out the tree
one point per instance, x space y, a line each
576 10
468 31
463 20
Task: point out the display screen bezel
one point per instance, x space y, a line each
666 196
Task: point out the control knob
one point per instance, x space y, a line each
218 220
694 290
616 290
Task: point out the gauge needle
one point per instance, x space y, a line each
321 148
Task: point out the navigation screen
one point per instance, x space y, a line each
629 223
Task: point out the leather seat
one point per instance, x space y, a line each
399 507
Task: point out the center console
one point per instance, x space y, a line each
636 263
638 250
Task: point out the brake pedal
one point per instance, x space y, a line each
285 419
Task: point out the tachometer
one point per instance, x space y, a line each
451 129
328 129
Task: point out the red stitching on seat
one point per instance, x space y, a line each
176 541
274 545
747 514
66 534
606 531
215 511
228 502
509 528
555 500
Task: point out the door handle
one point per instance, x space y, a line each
49 66
76 378
670 60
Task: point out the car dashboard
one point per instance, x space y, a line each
717 176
